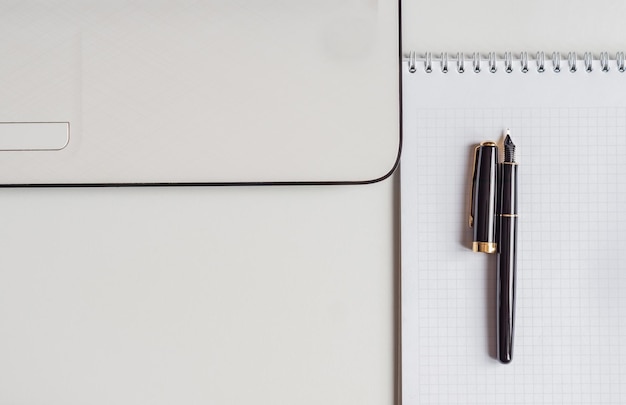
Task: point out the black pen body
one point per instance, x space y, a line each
507 263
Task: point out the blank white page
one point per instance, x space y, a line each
570 132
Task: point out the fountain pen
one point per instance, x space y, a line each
506 251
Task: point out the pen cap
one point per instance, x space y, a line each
483 198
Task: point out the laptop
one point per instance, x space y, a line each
198 92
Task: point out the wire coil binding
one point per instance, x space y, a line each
476 62
510 62
524 62
620 61
541 60
571 61
588 62
556 62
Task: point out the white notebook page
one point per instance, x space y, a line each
570 330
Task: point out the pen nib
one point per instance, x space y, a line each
509 149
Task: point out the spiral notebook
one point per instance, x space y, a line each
567 116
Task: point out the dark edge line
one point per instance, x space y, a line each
255 183
397 290
397 263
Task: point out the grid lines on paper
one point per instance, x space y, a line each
571 310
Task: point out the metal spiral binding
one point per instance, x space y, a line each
429 63
571 61
476 62
413 62
446 62
588 62
604 61
508 62
541 58
460 62
556 62
492 62
524 62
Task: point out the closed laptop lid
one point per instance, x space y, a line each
127 92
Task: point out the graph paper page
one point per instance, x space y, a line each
570 330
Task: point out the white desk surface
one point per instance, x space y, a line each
236 295
233 295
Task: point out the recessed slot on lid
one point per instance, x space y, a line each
34 136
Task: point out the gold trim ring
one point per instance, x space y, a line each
485 247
